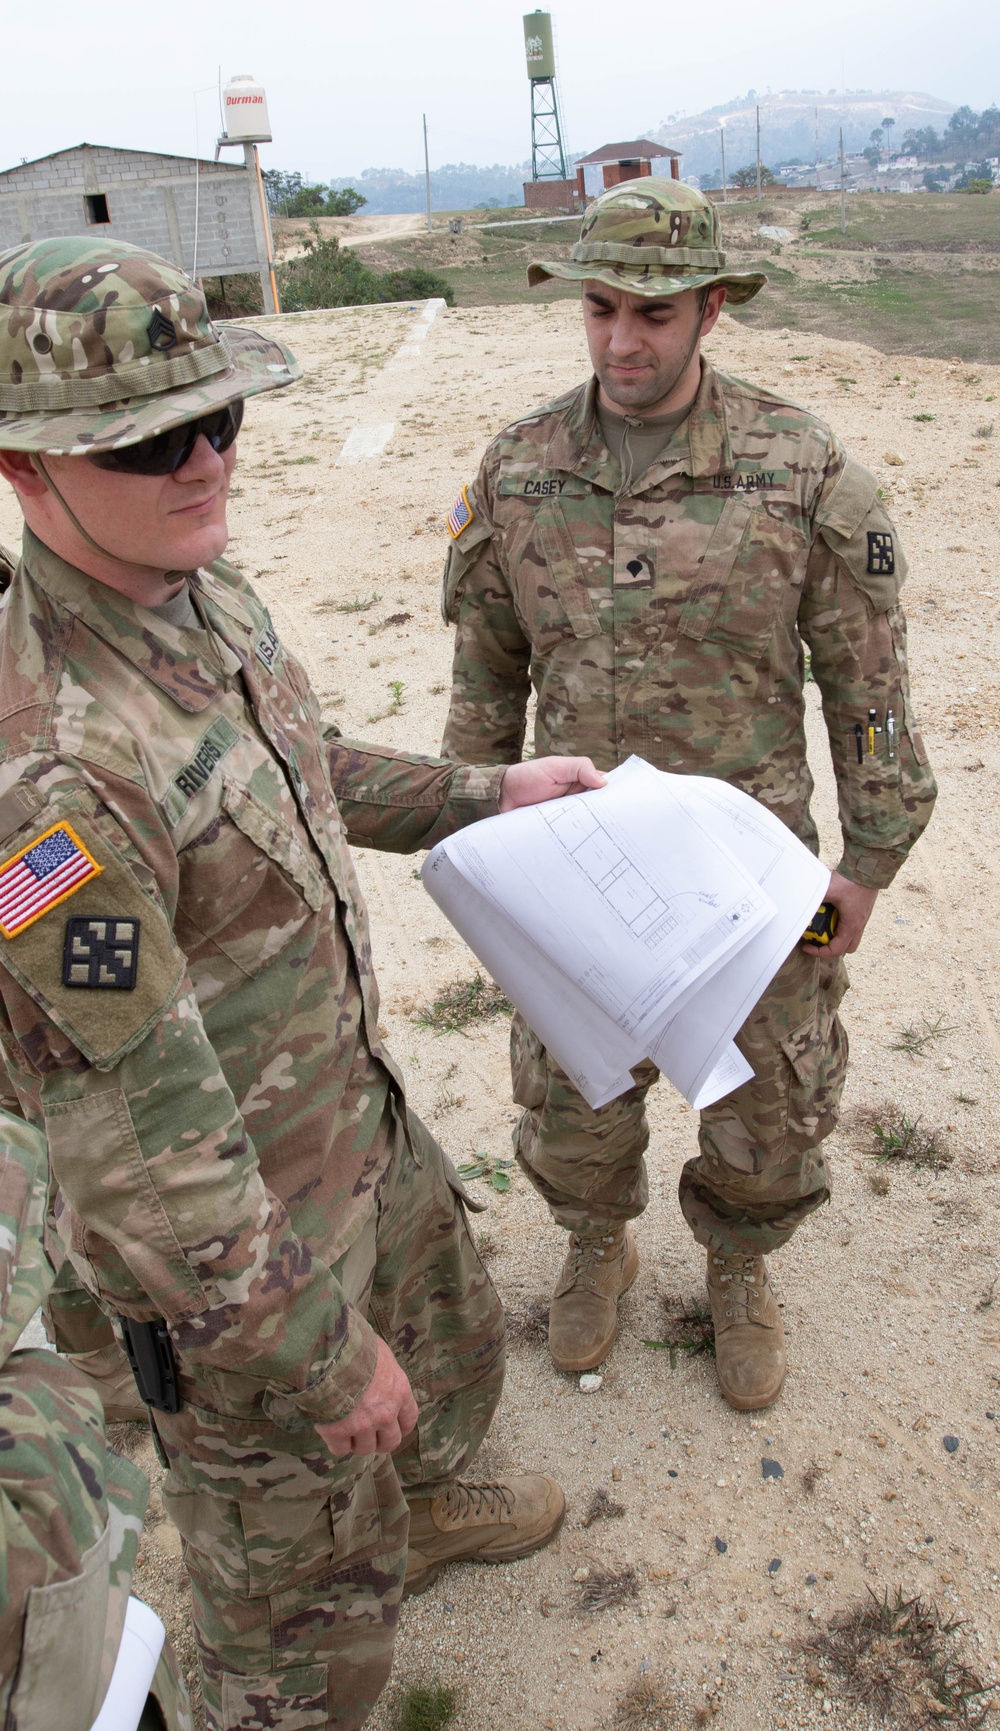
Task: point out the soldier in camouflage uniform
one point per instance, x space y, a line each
651 554
187 1009
70 1509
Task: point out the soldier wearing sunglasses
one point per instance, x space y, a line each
187 1010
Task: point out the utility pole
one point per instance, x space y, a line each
843 187
427 177
758 156
722 138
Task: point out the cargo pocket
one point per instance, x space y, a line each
64 1621
295 1700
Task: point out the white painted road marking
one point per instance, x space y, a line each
365 442
410 350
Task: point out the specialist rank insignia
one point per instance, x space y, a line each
881 553
53 866
101 952
460 515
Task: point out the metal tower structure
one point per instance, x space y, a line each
548 157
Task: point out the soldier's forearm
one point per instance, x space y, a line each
401 801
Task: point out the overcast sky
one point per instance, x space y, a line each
346 84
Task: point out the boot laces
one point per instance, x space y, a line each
739 1282
472 1501
589 1247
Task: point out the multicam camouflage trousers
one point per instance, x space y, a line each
760 1168
297 1559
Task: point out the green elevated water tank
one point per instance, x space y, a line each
538 49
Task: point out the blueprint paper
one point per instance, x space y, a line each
642 919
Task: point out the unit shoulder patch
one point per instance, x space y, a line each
881 553
53 866
460 515
101 952
95 948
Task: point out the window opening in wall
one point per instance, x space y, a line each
96 206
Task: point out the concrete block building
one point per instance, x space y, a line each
204 216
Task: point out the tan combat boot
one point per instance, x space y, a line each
583 1315
493 1522
107 1370
749 1337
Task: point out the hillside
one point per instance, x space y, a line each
788 123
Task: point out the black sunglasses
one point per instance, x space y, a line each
165 453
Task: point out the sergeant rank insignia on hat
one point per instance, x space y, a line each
460 515
102 953
53 866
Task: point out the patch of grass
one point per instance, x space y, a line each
427 1707
983 432
397 687
687 1328
915 1041
900 1659
489 1166
358 605
879 1180
899 309
967 1099
605 1588
645 1706
294 462
462 1003
924 417
529 1324
895 1136
602 1507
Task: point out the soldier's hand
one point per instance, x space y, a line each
384 1415
854 904
542 778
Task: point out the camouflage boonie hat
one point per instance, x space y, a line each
651 237
105 344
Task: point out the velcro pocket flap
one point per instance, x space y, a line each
699 611
261 826
563 564
858 531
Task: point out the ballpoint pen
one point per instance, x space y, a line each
871 733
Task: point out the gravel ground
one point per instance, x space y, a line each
893 1336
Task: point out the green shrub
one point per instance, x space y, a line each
328 275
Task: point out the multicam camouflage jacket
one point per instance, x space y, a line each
669 618
70 1509
187 1005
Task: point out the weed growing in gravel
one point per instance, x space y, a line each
464 1001
427 1707
900 1659
604 1588
645 1706
879 1181
529 1324
924 417
490 1167
602 1508
393 619
897 1137
688 1328
983 432
358 605
915 1043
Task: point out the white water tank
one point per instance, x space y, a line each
245 108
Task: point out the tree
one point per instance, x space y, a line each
977 179
921 141
289 195
747 177
872 155
887 126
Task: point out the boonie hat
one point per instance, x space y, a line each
651 237
104 344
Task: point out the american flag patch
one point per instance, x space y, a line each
460 515
55 865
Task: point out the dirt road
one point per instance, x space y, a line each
885 1438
